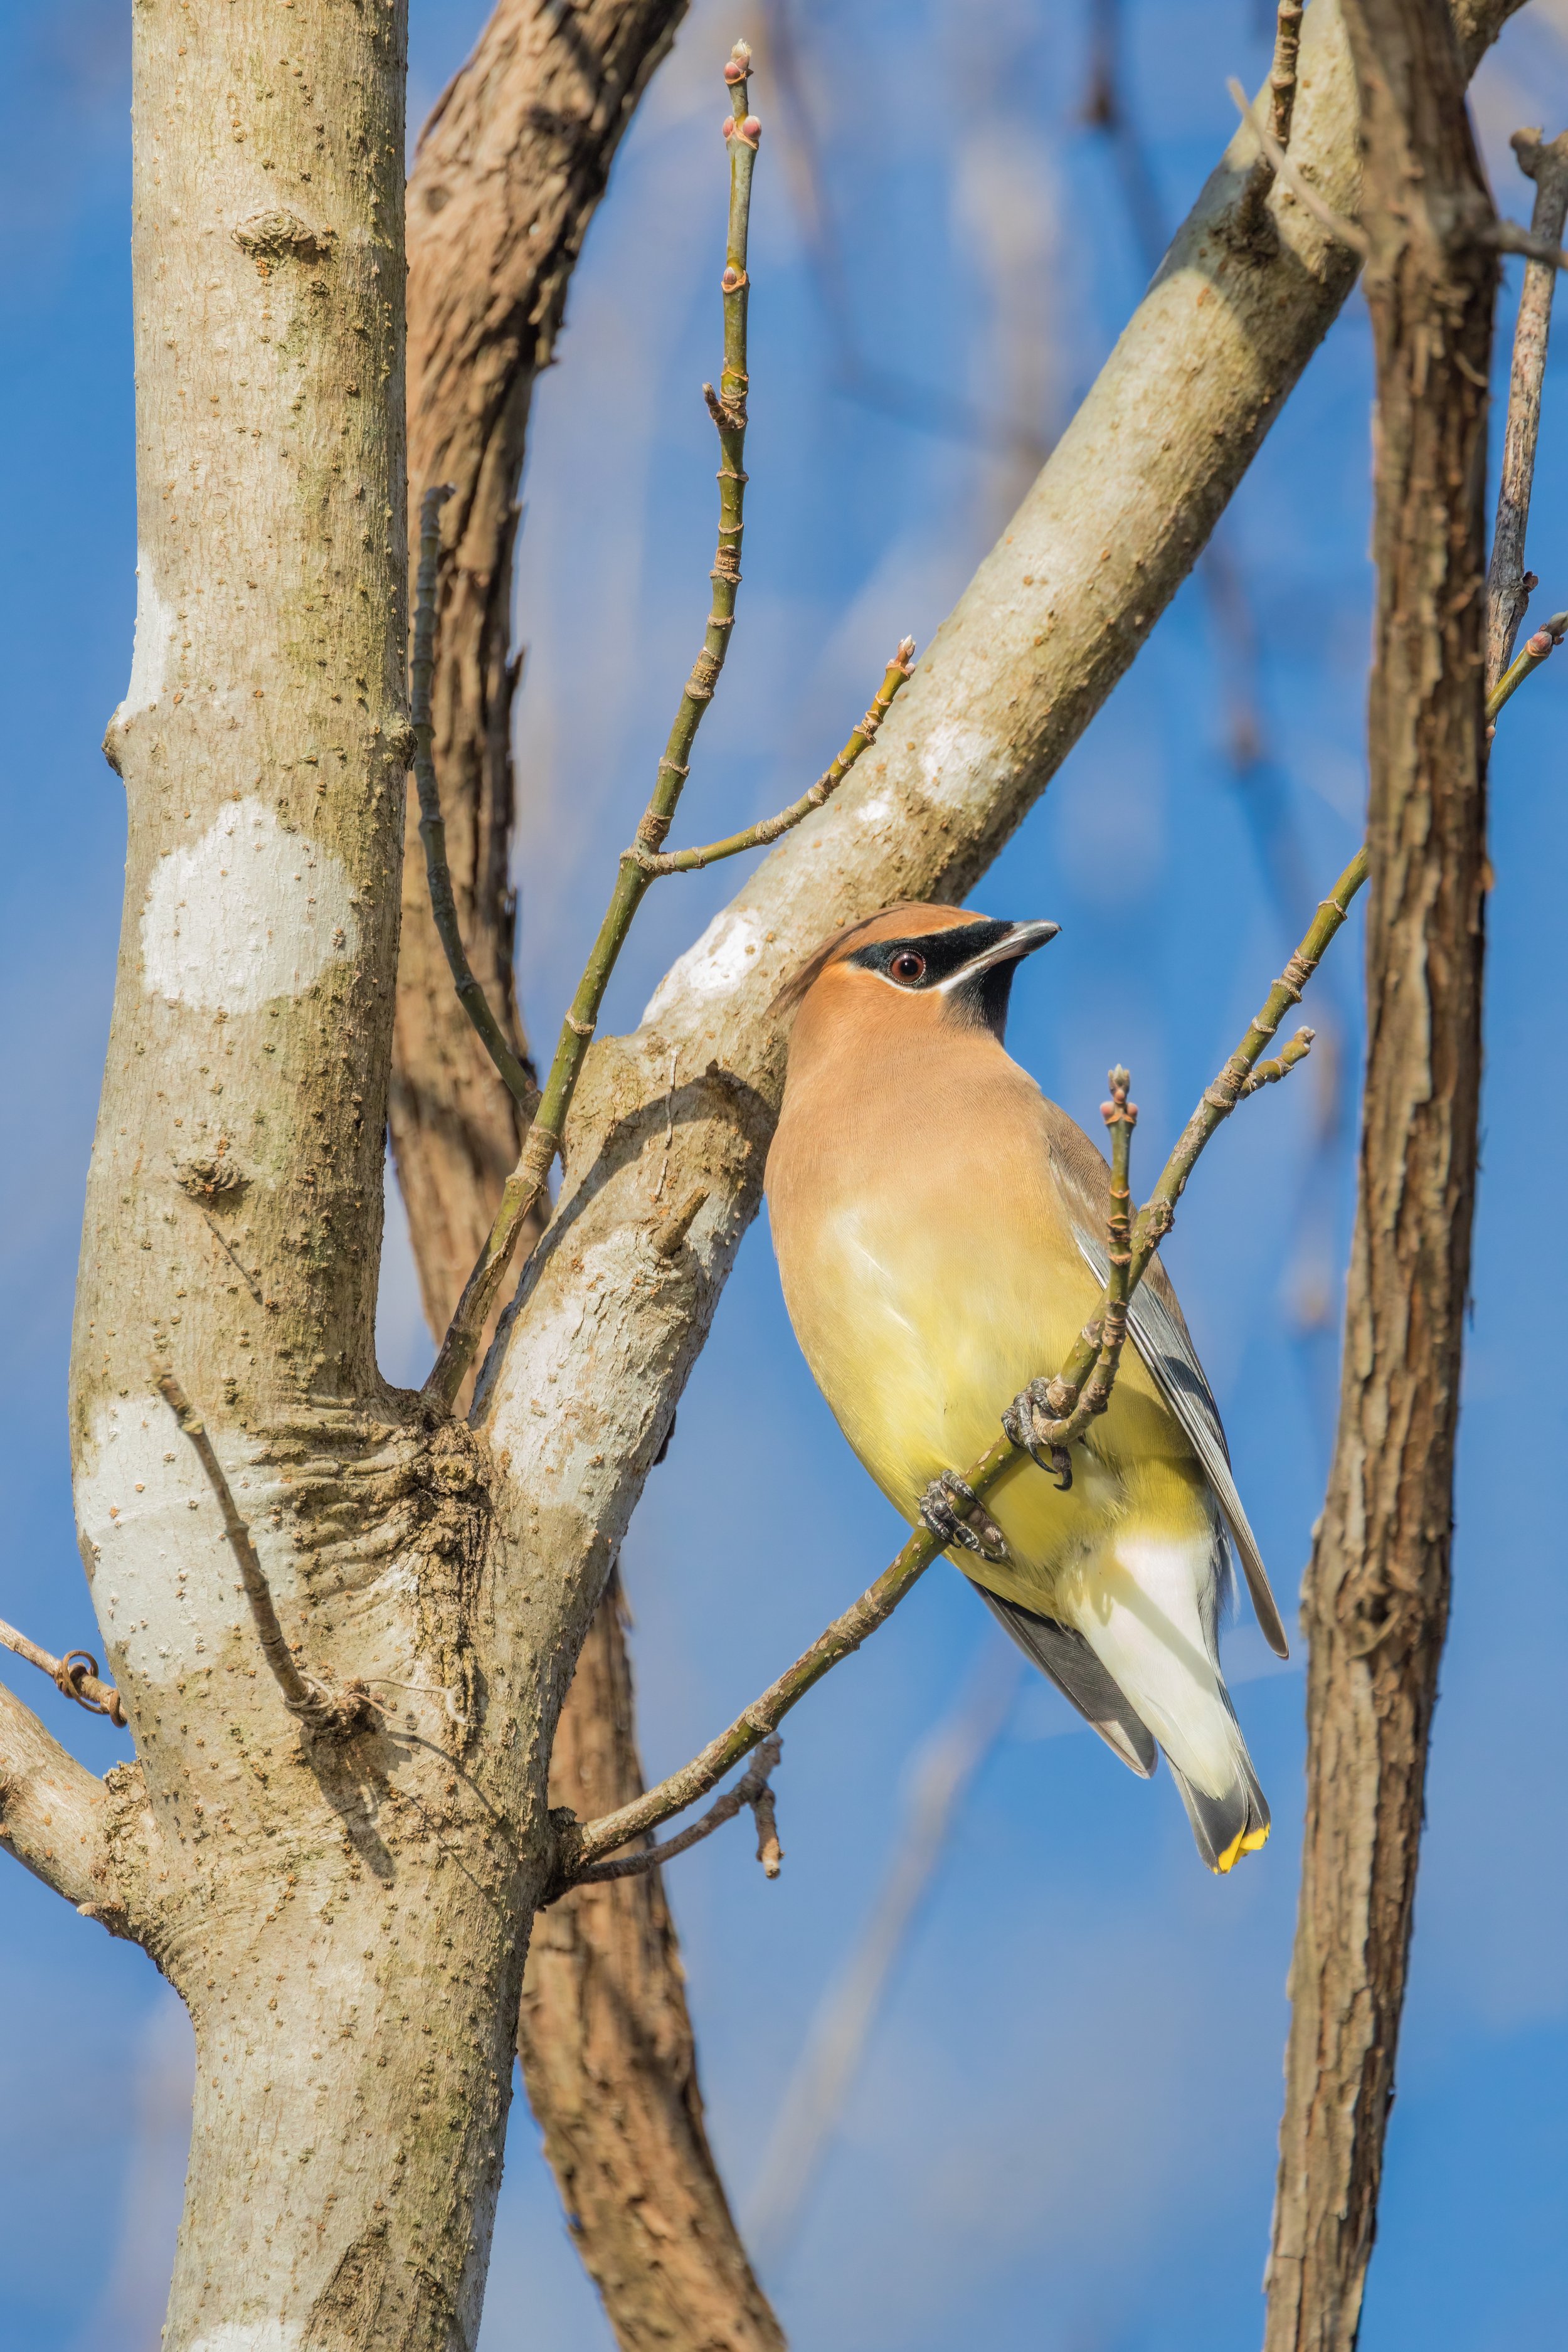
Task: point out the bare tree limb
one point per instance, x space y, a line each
753 1789
1376 1597
523 1193
773 828
516 1073
509 175
53 1813
75 1675
1507 586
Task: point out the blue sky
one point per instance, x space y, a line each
1062 2135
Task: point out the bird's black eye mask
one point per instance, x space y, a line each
933 963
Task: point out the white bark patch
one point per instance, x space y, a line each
251 2335
720 961
248 914
960 764
150 649
165 1584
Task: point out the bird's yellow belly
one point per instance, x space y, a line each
920 1338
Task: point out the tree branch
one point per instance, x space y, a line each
524 1190
582 1845
1348 231
75 1675
1508 586
753 1789
517 1076
508 175
772 829
1375 1598
53 1812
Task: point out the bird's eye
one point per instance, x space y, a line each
907 967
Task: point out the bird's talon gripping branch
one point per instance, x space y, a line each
954 1514
1042 1402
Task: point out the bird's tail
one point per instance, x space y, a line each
1231 1824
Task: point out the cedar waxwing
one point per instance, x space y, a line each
940 1229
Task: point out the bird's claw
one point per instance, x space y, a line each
954 1514
1019 1422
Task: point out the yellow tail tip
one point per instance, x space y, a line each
1243 1841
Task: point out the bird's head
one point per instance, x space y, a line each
912 966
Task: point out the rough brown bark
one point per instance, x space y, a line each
509 175
610 2062
1377 1599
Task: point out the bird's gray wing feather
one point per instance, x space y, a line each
1067 1659
1162 1340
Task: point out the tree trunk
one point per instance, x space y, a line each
508 176
610 2062
339 1912
1377 1599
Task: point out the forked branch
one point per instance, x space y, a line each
1133 1243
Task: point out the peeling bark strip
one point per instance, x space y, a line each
509 175
1377 1599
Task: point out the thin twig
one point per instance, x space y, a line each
321 1705
1508 583
1349 232
75 1675
752 1790
1268 1074
757 836
520 1079
525 1186
1282 73
1537 648
584 1843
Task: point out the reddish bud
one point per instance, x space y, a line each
1540 644
730 279
735 71
729 126
752 129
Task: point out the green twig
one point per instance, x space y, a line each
1268 1074
525 1186
1133 1245
520 1079
1537 648
757 836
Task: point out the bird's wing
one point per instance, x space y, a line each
1067 1659
1160 1334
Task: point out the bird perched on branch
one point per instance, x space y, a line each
940 1233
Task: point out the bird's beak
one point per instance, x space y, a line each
1020 941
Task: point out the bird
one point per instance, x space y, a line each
940 1229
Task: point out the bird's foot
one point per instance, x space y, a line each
954 1514
1020 1425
